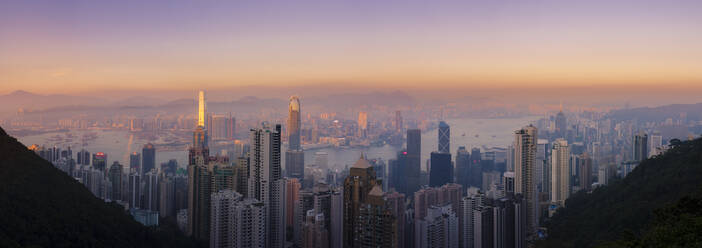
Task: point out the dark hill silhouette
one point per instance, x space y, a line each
632 210
40 206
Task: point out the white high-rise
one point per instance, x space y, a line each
560 172
265 183
236 222
438 229
525 141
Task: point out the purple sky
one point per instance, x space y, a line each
86 45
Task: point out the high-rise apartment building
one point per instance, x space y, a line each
375 225
640 147
524 155
237 222
438 229
560 172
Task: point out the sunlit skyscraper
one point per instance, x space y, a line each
201 110
362 124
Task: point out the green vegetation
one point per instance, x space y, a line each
657 205
40 206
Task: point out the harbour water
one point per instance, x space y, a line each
471 133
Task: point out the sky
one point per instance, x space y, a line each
86 46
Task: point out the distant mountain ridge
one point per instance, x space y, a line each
40 206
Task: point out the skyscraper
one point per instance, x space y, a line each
100 161
524 162
640 147
115 175
414 153
396 204
357 186
438 229
561 125
293 217
560 172
237 221
444 137
148 155
375 225
441 171
265 181
202 109
134 162
362 124
294 156
294 123
398 121
463 167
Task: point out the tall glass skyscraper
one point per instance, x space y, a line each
444 137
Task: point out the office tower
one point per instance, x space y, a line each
315 233
640 147
295 163
293 217
181 191
237 221
508 183
294 123
321 160
463 167
524 156
398 121
134 190
655 141
560 168
170 167
375 225
199 189
201 110
476 170
150 193
357 185
83 157
223 176
413 165
362 124
444 137
439 229
505 229
542 165
483 227
231 127
561 125
396 204
148 158
265 183
441 171
220 127
100 161
585 171
115 175
398 173
337 219
167 195
135 162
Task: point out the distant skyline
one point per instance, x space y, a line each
88 46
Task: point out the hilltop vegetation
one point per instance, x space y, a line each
658 203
